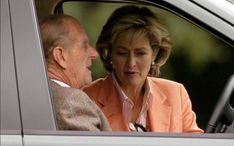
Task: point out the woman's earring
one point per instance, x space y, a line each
153 63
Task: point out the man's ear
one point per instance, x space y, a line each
59 56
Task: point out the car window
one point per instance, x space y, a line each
199 60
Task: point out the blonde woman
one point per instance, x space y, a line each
133 45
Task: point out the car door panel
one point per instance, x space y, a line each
36 107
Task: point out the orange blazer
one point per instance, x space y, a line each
171 109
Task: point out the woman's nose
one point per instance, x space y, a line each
131 62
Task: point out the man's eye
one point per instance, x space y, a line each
85 46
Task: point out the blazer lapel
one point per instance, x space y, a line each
159 112
111 105
115 118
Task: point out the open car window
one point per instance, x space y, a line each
199 60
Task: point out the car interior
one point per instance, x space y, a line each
222 119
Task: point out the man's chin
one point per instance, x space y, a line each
88 80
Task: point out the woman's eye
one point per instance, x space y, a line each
140 53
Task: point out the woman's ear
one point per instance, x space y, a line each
59 56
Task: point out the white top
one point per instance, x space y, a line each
61 83
127 104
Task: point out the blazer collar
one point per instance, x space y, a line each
111 105
106 89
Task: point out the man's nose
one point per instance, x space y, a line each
93 52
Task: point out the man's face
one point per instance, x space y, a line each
79 58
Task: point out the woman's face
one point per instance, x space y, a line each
132 58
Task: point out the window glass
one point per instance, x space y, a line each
199 60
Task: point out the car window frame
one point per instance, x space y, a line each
36 109
10 114
187 11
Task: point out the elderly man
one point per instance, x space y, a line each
69 57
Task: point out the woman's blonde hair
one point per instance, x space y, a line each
135 21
